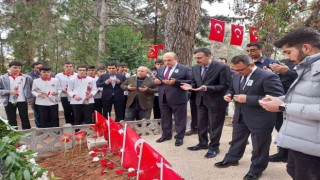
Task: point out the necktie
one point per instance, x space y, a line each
204 70
166 76
243 82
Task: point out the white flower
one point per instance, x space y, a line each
95 159
32 161
131 169
91 152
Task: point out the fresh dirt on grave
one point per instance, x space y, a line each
80 165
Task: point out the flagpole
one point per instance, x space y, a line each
161 169
140 157
96 121
109 133
124 142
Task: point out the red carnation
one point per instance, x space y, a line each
119 171
110 165
65 137
103 162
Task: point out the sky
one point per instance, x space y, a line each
219 8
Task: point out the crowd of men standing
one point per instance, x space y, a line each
256 84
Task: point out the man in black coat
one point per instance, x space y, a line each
249 85
210 80
112 94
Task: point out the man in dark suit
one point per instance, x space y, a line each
173 100
112 94
249 85
141 95
210 80
35 74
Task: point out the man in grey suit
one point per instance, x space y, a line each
173 100
249 85
210 80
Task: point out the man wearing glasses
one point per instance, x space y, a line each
254 50
112 94
249 85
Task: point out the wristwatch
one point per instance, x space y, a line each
283 107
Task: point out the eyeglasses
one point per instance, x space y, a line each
111 68
239 70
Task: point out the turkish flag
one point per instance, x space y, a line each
169 174
100 126
115 136
154 51
236 35
217 30
150 161
130 148
254 37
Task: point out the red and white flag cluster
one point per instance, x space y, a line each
237 32
135 152
154 51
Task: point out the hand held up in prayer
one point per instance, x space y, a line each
240 98
227 97
143 89
131 88
186 86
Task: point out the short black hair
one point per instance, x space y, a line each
82 66
206 51
15 63
159 61
300 36
101 68
223 59
112 64
91 67
153 69
34 64
45 68
259 45
241 58
67 62
122 64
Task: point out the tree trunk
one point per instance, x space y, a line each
180 28
102 28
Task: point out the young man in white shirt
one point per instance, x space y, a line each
81 89
15 88
64 78
47 90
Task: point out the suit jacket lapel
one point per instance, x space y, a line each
253 78
173 75
236 84
209 71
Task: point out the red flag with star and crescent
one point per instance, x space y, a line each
217 30
254 37
237 32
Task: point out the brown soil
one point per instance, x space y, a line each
79 165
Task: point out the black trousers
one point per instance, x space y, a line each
194 116
11 111
261 140
98 105
156 108
49 116
124 106
82 113
118 108
179 111
67 110
301 166
210 119
36 113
